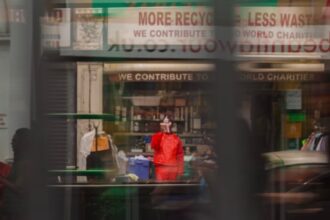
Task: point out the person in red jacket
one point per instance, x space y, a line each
168 152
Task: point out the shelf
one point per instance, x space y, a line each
196 145
106 117
143 120
162 106
132 134
92 172
145 154
150 154
190 135
149 134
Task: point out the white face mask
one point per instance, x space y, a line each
166 125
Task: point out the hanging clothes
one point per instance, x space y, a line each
322 144
98 160
100 156
105 159
85 149
102 143
317 141
88 146
103 154
312 141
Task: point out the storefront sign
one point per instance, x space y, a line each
3 120
296 117
277 23
282 30
156 77
282 77
189 32
160 25
259 30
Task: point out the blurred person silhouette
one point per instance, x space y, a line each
168 152
322 192
15 203
4 172
253 140
319 138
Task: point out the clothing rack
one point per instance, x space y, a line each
79 116
95 136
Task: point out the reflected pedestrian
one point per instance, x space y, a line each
16 184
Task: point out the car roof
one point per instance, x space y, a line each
294 157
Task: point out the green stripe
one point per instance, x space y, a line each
257 3
107 117
147 3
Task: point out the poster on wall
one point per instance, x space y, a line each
56 28
3 121
293 130
293 99
88 32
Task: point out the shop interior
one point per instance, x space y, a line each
138 100
128 101
288 106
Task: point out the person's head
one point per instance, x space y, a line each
166 124
21 141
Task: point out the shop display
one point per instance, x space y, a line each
85 149
132 112
139 109
97 151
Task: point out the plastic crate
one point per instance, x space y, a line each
141 168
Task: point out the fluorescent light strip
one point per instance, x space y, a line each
158 67
282 67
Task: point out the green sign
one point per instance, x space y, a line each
296 117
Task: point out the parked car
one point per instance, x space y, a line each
298 185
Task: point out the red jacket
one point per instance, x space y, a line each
4 172
168 150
